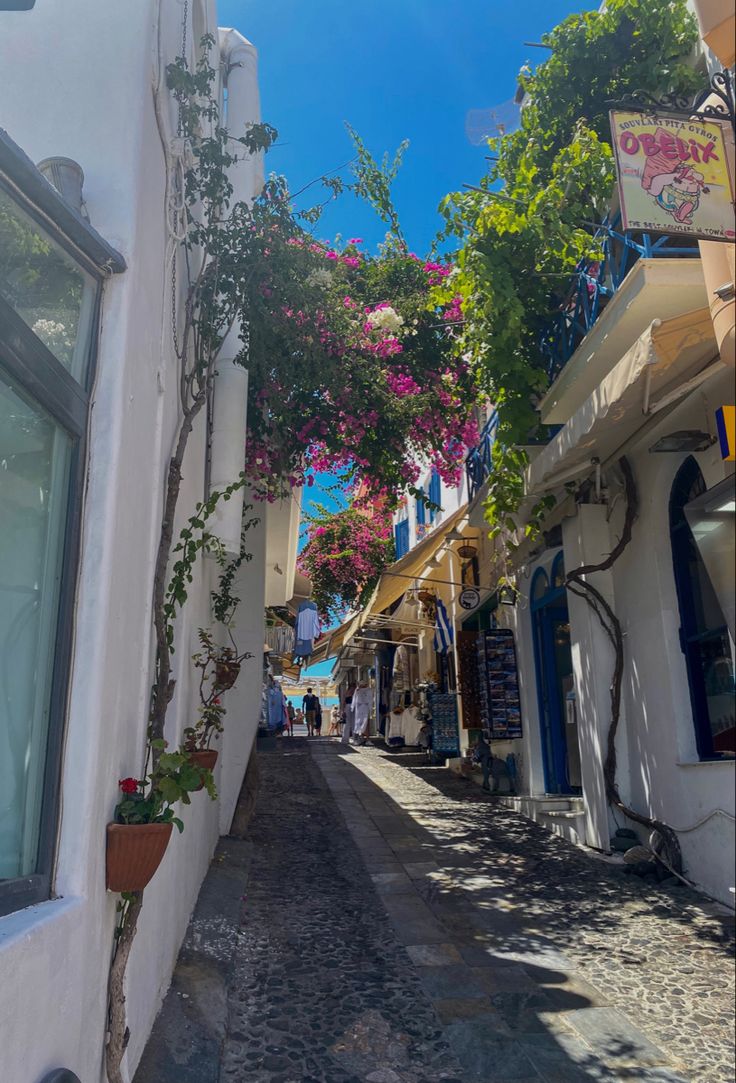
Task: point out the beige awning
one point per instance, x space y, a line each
393 583
661 364
331 642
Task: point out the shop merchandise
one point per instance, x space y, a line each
307 629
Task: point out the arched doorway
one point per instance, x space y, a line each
555 686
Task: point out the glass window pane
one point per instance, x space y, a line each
717 666
707 612
45 287
540 586
34 480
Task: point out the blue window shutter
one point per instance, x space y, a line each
435 494
401 537
421 509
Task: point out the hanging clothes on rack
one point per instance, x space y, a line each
307 629
362 706
400 676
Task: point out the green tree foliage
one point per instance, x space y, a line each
522 236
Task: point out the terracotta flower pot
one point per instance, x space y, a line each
134 852
226 674
206 758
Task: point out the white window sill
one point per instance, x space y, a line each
22 924
707 763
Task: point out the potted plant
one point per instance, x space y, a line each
219 668
467 551
144 818
197 738
227 668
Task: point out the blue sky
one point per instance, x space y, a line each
395 69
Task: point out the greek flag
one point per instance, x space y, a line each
443 635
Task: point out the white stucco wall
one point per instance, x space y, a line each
77 81
659 772
664 773
451 499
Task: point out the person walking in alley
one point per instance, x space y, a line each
334 730
291 715
347 728
318 720
310 703
483 756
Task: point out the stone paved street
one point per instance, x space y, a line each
439 936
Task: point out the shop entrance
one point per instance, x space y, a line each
555 688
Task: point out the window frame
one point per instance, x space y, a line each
401 538
689 472
42 377
421 508
434 493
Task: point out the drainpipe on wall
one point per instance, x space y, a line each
230 405
717 23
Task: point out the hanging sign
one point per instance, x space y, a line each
673 175
469 598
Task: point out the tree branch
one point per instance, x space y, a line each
612 626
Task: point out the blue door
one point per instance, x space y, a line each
553 661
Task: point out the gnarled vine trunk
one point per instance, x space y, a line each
577 584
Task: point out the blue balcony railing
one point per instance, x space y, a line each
478 460
596 281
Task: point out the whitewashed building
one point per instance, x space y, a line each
88 408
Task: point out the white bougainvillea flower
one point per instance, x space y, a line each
385 319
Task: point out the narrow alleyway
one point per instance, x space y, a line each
440 937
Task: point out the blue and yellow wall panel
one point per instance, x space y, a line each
726 424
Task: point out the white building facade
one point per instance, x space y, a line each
89 405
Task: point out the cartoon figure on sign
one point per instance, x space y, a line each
675 188
678 193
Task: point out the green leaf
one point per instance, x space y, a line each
170 790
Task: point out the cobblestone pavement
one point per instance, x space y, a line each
386 922
321 990
542 961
